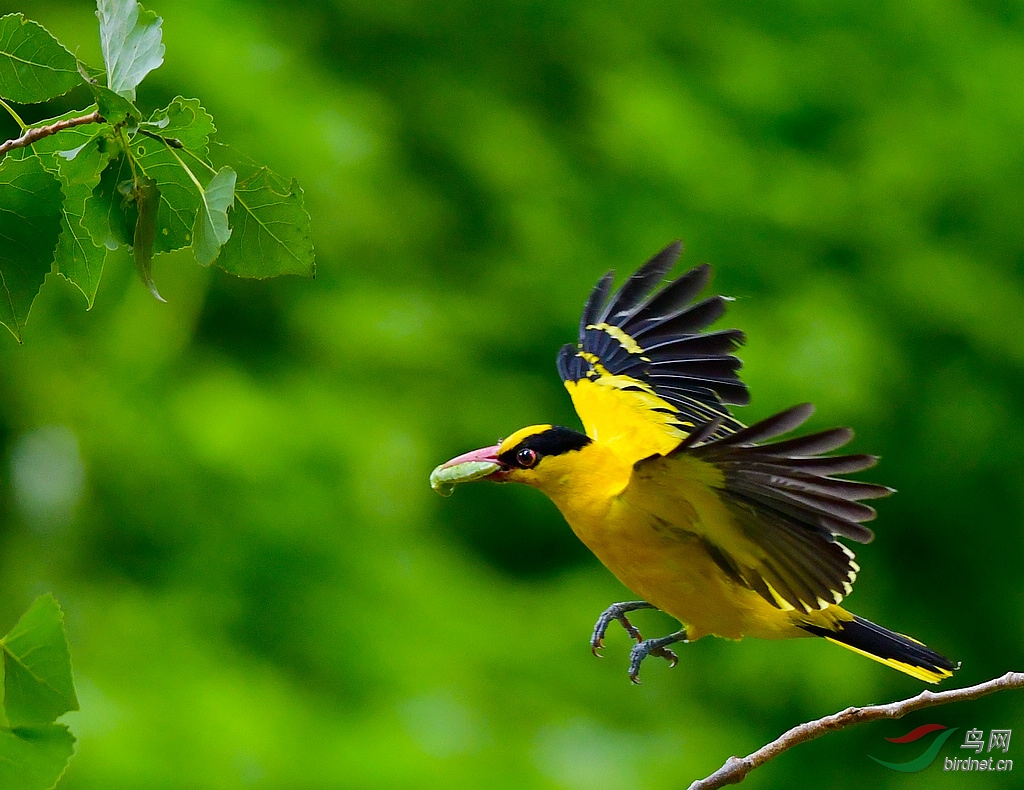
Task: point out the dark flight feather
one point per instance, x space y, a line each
630 297
782 496
655 336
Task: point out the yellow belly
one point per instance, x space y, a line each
672 570
668 565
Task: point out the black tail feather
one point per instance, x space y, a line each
896 650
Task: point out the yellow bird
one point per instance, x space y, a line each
728 529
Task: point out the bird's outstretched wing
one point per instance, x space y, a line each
642 375
777 510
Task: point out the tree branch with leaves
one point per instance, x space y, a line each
75 187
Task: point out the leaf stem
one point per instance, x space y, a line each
173 142
21 124
207 165
185 167
38 133
128 155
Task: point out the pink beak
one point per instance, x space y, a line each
476 465
484 454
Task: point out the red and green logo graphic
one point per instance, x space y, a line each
929 754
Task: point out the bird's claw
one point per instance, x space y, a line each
617 611
653 647
597 640
643 647
630 629
663 652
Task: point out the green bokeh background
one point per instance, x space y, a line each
228 493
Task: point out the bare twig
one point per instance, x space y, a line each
30 136
736 768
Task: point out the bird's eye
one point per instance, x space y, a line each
526 458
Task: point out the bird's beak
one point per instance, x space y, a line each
465 468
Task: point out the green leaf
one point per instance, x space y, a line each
30 218
181 187
269 224
37 667
34 758
186 122
78 258
109 215
147 198
34 66
130 38
115 109
83 163
77 155
211 229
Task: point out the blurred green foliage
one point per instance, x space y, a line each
228 493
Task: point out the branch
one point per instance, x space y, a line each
38 133
736 768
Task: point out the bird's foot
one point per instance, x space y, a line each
617 611
654 647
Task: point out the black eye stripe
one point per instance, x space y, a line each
554 441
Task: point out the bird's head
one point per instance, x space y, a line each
538 455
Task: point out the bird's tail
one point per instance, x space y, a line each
885 646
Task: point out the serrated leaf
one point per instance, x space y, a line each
37 667
34 758
109 215
180 196
147 198
269 223
211 229
115 109
187 122
84 163
77 155
30 217
34 67
77 257
130 38
180 172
